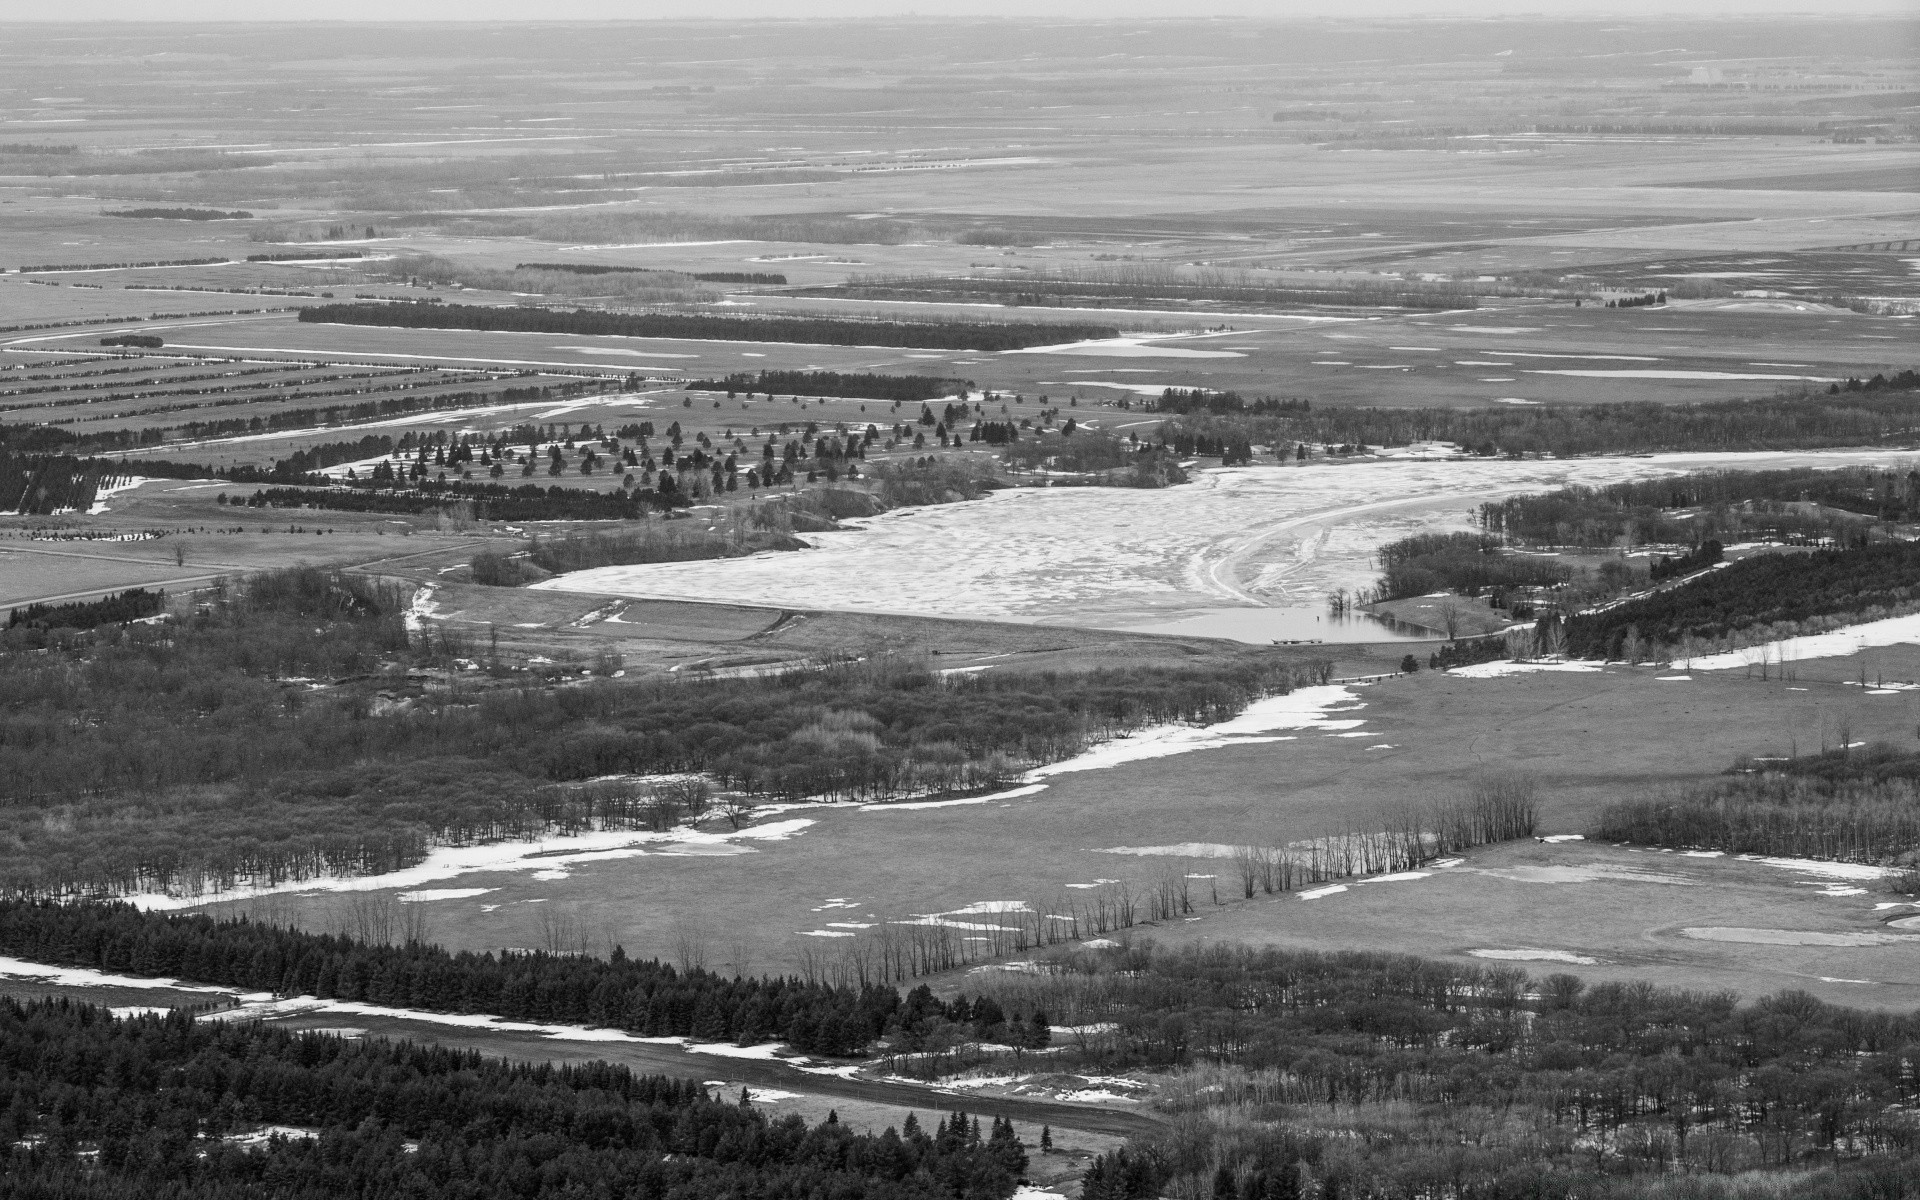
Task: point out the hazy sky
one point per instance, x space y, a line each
501 10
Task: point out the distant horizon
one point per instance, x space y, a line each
476 12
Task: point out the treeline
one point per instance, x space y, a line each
1725 506
482 501
661 542
1467 563
130 605
195 756
1098 287
1854 817
329 454
1765 594
904 389
761 277
143 341
181 214
1197 400
1304 1074
646 999
809 330
40 485
1802 421
115 266
99 1107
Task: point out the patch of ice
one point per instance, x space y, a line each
1502 668
1893 631
1793 937
1525 955
448 862
423 895
1814 866
20 968
916 805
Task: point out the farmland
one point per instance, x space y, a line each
865 504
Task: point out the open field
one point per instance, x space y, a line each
1588 736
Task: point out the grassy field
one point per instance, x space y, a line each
1587 736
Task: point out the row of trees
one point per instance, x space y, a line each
1864 820
1098 288
1790 421
954 335
94 1107
1726 506
905 389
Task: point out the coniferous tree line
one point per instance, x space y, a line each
907 389
130 605
1197 400
1214 287
1790 421
1721 505
825 331
182 214
1762 594
162 1107
194 753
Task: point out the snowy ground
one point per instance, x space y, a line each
1234 540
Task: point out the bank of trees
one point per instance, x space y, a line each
1854 817
1790 421
1798 504
1763 596
193 755
1358 1074
906 389
27 626
169 1108
1467 563
827 331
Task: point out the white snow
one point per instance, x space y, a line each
19 968
1892 631
1564 837
1318 892
1793 937
423 895
544 855
1814 866
1500 669
1535 956
100 497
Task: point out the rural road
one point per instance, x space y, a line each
753 1072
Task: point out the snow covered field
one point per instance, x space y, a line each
1246 552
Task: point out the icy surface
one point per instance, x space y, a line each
1239 537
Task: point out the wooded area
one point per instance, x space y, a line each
94 1107
821 331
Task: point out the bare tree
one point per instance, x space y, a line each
736 807
1451 613
690 948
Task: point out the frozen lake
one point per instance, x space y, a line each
1244 552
